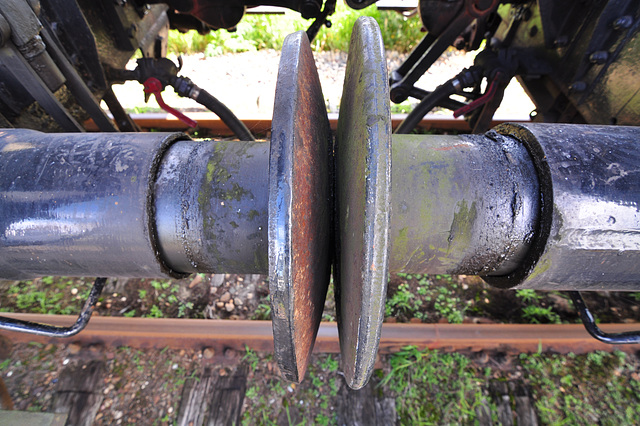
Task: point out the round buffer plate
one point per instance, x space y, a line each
300 207
363 185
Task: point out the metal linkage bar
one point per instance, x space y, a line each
41 329
627 337
22 71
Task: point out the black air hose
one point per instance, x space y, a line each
229 118
431 101
185 87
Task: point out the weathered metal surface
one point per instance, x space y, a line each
461 204
79 204
300 207
589 236
160 333
18 67
363 176
211 207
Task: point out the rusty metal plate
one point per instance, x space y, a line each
300 207
363 176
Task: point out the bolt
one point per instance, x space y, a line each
561 41
578 86
599 57
623 22
310 9
133 29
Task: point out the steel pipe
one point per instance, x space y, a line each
589 232
79 204
461 204
211 207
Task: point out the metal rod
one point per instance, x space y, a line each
22 71
42 329
76 84
79 204
627 337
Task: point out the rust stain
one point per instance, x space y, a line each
258 336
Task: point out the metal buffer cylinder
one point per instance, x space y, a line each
79 204
130 205
549 207
461 204
159 205
588 233
544 206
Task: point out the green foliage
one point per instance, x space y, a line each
448 306
184 308
535 312
48 295
596 388
528 295
433 387
329 364
251 358
263 310
256 32
155 312
399 301
540 315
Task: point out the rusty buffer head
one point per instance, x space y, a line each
363 176
300 207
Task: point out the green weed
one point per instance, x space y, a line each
154 312
251 358
528 295
540 315
596 388
433 387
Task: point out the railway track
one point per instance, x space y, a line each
257 335
262 124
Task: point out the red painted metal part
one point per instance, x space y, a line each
153 86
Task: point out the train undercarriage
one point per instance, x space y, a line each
547 205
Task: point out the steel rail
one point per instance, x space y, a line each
258 335
260 124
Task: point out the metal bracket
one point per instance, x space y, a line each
589 322
12 324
